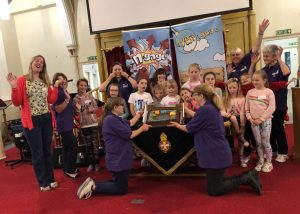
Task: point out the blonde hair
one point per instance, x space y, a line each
43 74
195 65
227 96
172 84
263 75
209 94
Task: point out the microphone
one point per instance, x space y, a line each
70 80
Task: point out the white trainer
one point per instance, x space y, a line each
86 188
281 158
259 166
267 167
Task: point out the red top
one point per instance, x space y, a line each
19 98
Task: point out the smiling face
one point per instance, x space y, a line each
236 56
117 69
258 81
82 87
245 79
113 91
37 64
186 95
63 83
142 85
268 58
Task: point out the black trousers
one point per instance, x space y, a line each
278 138
250 138
217 184
69 151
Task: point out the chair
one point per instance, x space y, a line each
21 144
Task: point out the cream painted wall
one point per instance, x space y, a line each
86 41
44 35
282 15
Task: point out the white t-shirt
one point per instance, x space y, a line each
170 101
140 100
191 85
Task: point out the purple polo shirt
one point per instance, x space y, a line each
242 67
64 119
125 87
213 151
118 145
274 75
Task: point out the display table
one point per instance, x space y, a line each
167 148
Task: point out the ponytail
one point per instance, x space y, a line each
210 95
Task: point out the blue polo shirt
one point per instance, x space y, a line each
125 87
242 67
118 145
64 119
213 151
274 75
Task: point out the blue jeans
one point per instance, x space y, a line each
69 151
39 139
117 186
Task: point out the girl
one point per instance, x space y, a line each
159 78
194 77
118 75
117 136
260 105
86 108
139 99
158 93
172 97
210 79
33 93
113 91
190 105
212 148
234 103
64 126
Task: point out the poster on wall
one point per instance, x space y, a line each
147 50
200 42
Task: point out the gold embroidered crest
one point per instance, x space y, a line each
164 145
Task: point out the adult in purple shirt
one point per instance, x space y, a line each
277 70
64 126
125 81
212 148
117 136
241 63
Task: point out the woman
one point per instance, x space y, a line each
125 81
33 93
159 78
64 126
277 70
213 152
117 136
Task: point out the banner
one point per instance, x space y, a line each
146 51
200 42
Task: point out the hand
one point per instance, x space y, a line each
291 80
229 68
173 124
228 115
12 80
255 58
124 74
279 53
258 121
145 127
112 75
67 94
263 26
57 83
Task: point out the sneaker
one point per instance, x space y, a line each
246 159
242 162
90 168
259 166
72 175
281 158
242 140
54 184
86 189
267 167
43 189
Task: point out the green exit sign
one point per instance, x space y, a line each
283 32
92 58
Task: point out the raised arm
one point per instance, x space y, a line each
104 85
261 30
284 68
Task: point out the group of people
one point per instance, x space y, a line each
246 102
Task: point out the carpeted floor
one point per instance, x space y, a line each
19 192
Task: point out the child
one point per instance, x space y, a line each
158 93
210 79
172 97
260 105
138 100
159 78
190 105
113 91
87 107
117 136
234 103
194 77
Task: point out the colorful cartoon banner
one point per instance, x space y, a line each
200 42
147 50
